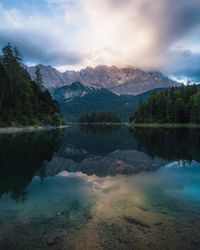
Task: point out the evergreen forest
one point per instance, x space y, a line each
172 105
23 101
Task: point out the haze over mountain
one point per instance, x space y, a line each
123 81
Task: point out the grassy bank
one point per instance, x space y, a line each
165 125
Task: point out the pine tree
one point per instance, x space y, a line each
38 78
7 56
17 55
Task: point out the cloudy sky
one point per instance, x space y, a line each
70 34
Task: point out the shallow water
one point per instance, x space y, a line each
100 188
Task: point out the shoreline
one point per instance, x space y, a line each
98 123
9 130
165 125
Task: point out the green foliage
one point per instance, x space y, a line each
23 101
173 105
99 117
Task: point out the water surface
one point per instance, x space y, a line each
100 188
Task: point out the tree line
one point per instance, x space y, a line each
23 101
173 105
99 117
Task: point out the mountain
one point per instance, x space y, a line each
51 76
101 88
123 81
129 80
143 82
69 92
77 99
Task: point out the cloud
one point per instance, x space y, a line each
41 39
185 65
143 31
156 34
151 34
40 48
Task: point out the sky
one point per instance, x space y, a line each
70 34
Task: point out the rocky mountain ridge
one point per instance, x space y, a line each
123 81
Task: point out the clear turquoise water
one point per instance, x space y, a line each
100 188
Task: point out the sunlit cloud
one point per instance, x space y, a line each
150 34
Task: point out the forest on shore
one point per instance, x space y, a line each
99 117
172 105
23 101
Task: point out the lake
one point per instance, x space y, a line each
100 187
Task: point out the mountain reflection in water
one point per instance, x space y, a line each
102 151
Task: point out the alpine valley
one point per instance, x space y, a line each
101 88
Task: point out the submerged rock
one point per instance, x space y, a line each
137 222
